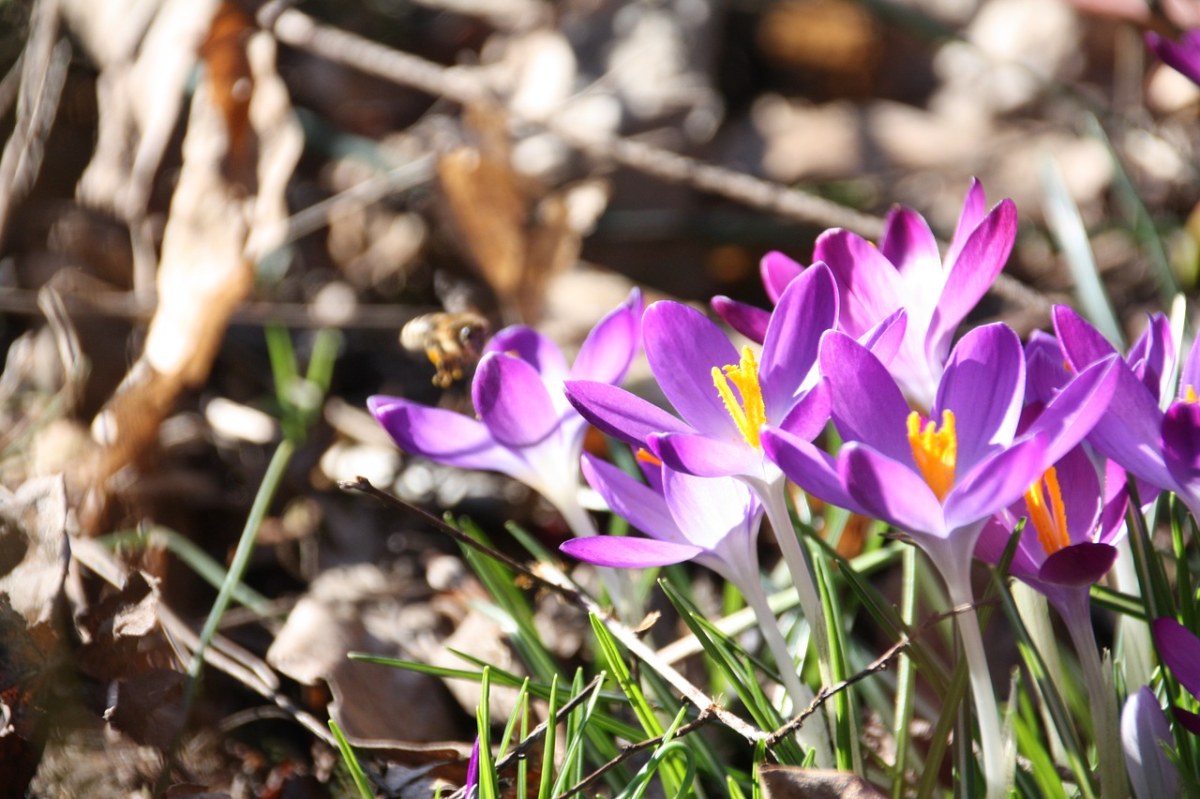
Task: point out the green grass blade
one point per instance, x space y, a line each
351 760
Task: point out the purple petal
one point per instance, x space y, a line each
972 273
683 348
708 510
748 320
884 339
1081 494
890 491
1045 367
867 405
512 400
810 414
619 413
1181 444
806 310
628 552
1188 720
1075 410
606 353
868 284
532 347
993 543
1081 343
1152 356
996 482
1145 737
807 466
1179 650
984 385
702 456
1078 565
909 244
777 271
1183 57
633 501
973 210
443 436
1191 371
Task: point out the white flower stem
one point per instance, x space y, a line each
991 741
801 572
812 734
1101 698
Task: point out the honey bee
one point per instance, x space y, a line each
453 342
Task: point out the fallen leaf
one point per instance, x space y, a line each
791 782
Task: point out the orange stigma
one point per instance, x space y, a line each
644 455
1189 395
935 450
749 414
1047 512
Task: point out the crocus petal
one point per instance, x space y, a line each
890 491
608 350
533 348
996 482
1183 57
809 467
619 413
884 340
984 385
512 400
708 510
909 244
1081 343
1191 370
1179 650
869 286
777 271
636 502
1045 367
1144 733
972 273
1081 494
683 347
973 210
1181 445
748 320
1075 410
628 552
705 457
810 414
806 310
993 543
1152 357
443 436
1189 720
1130 430
867 405
1079 565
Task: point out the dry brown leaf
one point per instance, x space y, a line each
214 232
33 547
791 782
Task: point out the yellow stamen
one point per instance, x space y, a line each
1050 523
749 414
935 450
1189 395
644 455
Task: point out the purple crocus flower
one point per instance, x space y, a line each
939 478
1182 56
471 786
1144 734
1179 649
905 271
526 428
1161 448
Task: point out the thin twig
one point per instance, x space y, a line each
464 87
875 666
632 749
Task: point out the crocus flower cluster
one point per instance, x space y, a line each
958 445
